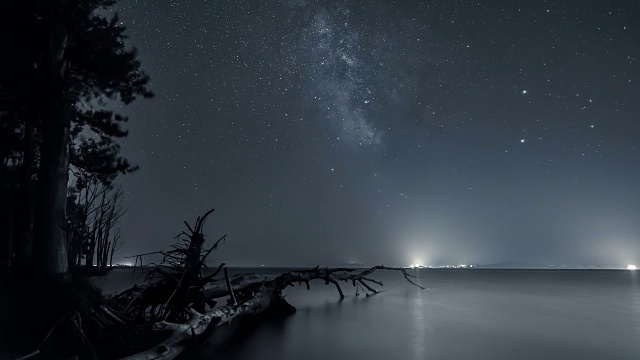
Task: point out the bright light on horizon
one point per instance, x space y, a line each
631 267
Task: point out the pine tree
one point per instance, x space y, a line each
70 63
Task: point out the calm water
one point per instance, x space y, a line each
464 314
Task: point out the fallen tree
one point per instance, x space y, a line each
193 294
266 295
179 304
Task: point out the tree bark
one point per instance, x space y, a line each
50 251
193 330
23 220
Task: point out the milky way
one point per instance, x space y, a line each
374 131
337 79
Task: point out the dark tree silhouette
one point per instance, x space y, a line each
68 63
94 210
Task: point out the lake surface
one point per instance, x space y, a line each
463 314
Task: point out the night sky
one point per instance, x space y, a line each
388 132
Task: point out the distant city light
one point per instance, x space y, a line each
631 267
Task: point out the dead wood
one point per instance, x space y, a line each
178 302
266 293
186 297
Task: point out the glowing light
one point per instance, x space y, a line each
631 267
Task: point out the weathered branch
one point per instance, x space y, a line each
209 277
184 334
188 227
266 293
234 301
36 353
247 281
184 292
215 246
200 221
145 254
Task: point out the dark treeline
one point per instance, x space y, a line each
64 65
93 211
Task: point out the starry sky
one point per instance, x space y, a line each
395 132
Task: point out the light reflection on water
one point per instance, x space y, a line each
420 328
464 314
419 312
635 302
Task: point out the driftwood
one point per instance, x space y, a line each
178 305
267 294
176 284
182 299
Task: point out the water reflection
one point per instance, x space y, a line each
419 326
496 314
635 302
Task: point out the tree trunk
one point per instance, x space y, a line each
50 251
266 295
23 218
90 249
193 258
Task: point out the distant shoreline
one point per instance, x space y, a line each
475 268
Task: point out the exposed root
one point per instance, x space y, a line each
178 308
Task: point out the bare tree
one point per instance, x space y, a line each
116 244
111 211
96 210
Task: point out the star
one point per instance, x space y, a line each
393 111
